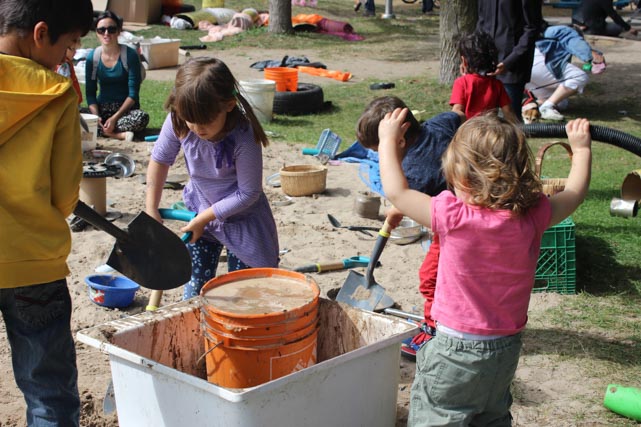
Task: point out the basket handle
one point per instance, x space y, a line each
539 155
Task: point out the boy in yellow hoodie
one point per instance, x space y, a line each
40 171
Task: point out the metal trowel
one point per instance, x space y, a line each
362 291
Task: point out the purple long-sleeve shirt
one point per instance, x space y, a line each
226 175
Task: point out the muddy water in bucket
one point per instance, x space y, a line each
258 325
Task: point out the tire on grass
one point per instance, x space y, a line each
308 99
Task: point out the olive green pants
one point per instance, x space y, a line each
464 382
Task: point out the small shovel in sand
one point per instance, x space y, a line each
364 292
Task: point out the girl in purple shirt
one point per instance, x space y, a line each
490 226
222 142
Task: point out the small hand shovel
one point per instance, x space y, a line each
148 252
364 292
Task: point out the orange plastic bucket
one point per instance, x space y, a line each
286 78
258 324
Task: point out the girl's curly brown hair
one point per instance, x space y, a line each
490 160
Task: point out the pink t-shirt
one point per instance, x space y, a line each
478 94
487 265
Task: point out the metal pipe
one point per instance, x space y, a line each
404 314
389 10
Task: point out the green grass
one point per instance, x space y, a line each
601 323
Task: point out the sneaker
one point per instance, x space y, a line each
129 136
550 113
412 345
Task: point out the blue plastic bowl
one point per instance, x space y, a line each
112 291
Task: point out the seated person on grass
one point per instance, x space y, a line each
554 78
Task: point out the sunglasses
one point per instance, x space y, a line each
110 30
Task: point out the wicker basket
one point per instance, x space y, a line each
551 186
303 180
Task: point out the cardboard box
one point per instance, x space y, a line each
160 53
139 11
99 5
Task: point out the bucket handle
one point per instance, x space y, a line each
207 352
538 164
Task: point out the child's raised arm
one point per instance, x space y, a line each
391 134
576 187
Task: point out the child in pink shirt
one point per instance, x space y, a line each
490 227
477 90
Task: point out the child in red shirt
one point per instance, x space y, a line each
477 90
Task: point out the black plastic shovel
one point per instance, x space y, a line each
148 253
364 292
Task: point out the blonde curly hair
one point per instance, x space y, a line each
489 159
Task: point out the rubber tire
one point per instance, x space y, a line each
308 99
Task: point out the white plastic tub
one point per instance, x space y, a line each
158 381
160 53
89 138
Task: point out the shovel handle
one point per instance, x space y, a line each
97 220
319 268
386 229
177 214
404 314
180 215
383 235
154 301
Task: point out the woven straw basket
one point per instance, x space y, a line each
303 180
551 186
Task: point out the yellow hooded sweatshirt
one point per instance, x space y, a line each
40 171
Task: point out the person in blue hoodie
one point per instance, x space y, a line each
554 78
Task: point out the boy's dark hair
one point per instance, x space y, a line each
62 17
367 126
109 14
480 52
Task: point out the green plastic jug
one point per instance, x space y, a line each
624 401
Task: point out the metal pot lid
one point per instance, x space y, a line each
123 162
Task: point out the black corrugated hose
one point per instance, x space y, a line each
599 133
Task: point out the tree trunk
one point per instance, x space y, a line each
280 16
456 17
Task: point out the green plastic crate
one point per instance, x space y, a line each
556 267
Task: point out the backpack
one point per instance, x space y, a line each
123 58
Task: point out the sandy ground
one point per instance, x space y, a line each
546 393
